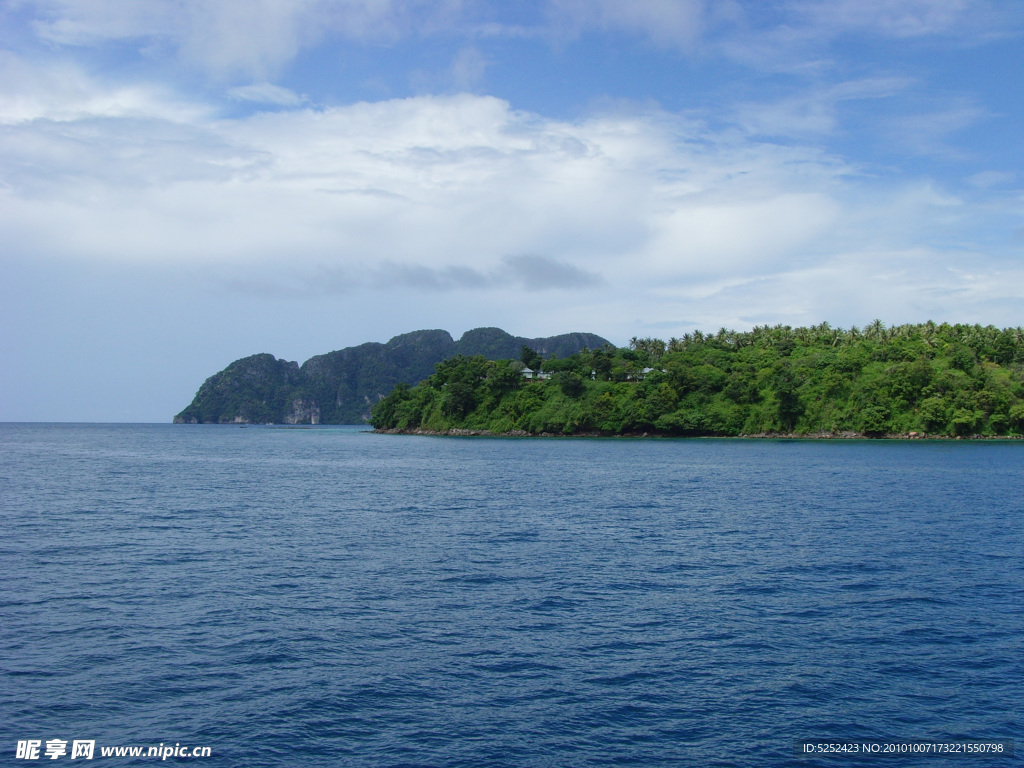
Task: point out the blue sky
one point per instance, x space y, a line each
186 182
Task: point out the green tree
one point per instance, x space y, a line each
788 405
530 358
570 382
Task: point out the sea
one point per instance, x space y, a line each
326 596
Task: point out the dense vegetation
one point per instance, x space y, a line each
340 387
954 380
254 389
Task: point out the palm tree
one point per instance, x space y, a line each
875 329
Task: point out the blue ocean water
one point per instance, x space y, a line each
330 597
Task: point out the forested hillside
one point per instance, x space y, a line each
341 387
934 379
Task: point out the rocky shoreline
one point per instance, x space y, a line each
844 435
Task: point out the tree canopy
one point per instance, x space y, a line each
937 379
340 387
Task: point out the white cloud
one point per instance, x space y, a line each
88 22
892 18
226 38
816 111
852 287
267 93
459 181
930 133
740 237
257 39
64 92
466 195
988 179
803 37
468 68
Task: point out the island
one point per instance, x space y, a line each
341 387
911 381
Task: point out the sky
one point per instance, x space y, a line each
187 182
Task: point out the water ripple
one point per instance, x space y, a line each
324 597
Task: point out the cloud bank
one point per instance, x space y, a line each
256 39
465 193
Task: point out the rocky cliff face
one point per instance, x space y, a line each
341 387
303 412
254 390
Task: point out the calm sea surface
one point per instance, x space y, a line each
330 597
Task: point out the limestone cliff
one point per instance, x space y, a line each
341 387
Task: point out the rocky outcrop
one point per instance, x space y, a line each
254 390
303 412
341 387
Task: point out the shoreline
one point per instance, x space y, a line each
844 435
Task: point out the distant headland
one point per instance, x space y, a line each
920 381
341 387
